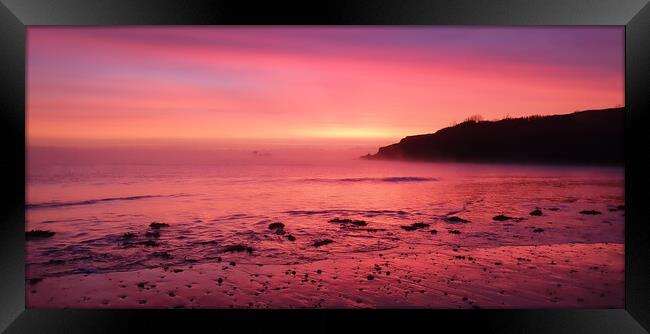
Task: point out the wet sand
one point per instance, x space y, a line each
546 276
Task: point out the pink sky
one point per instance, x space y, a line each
292 84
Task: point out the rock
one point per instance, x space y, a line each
455 219
276 226
434 231
162 255
150 243
536 212
38 234
414 226
291 237
590 212
232 263
554 209
128 236
323 242
348 221
208 242
504 218
238 248
454 231
621 207
156 225
370 277
219 280
340 220
34 281
538 230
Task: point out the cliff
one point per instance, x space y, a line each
585 137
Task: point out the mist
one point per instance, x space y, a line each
193 153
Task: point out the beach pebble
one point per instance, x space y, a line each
275 226
455 219
414 226
323 242
38 234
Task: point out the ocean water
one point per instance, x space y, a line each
101 214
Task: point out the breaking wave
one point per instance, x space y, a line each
375 179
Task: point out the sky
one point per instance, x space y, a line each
232 85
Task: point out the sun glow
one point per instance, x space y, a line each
349 132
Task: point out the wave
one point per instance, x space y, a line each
344 212
236 216
394 179
57 204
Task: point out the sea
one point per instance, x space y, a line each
102 213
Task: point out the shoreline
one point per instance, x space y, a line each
515 163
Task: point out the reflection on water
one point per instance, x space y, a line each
102 217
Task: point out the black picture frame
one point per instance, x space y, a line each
16 15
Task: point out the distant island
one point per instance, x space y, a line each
584 137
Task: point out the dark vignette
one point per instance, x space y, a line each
12 167
637 232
